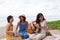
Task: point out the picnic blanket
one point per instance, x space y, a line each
55 35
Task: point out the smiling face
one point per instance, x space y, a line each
22 18
11 20
41 18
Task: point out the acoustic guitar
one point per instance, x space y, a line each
30 31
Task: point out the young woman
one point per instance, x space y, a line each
23 26
40 25
9 28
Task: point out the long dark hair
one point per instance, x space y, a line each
38 16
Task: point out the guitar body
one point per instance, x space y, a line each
30 31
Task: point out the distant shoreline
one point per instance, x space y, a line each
4 24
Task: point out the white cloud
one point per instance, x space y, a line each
29 7
50 9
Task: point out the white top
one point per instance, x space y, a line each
42 27
43 24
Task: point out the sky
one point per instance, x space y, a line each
30 7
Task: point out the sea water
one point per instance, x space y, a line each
3 20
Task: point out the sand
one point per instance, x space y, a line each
2 32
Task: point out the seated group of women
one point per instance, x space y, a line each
37 30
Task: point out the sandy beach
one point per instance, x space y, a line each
2 32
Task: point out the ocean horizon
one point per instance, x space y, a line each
3 20
49 8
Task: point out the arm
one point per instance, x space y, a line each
33 25
37 28
16 27
46 26
29 26
7 30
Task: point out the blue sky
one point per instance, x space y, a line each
29 7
